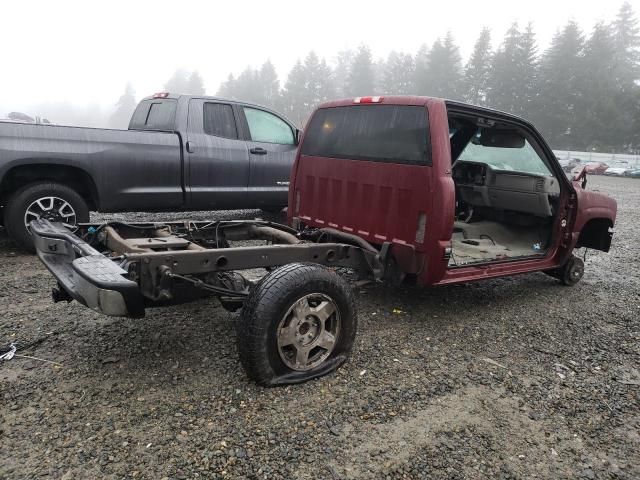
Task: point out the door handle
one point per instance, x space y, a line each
191 147
258 151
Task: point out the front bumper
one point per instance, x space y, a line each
84 273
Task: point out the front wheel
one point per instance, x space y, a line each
570 273
48 200
298 323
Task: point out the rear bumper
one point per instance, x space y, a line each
84 273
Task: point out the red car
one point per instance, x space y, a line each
592 168
399 189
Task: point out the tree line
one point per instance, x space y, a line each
582 92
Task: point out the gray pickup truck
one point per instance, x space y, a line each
180 152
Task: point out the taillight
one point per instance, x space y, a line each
161 95
377 99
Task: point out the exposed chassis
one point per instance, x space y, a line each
119 269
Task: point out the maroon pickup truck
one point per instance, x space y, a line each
398 189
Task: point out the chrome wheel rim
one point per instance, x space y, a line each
54 209
308 332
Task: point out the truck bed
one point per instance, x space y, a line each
126 166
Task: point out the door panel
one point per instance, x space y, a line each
272 150
218 166
269 174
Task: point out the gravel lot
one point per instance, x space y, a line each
511 378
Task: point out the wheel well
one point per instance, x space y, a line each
73 177
596 233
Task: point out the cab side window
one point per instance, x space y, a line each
219 121
266 127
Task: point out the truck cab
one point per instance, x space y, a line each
455 192
234 154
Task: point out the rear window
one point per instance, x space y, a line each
154 115
379 133
219 120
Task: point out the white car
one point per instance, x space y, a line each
616 171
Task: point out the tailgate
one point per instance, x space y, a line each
84 273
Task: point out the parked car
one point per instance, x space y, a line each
594 168
634 174
181 152
570 164
399 189
617 171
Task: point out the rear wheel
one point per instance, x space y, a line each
298 323
51 201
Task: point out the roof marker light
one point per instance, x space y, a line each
161 95
376 99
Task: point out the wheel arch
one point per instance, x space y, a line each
71 176
596 234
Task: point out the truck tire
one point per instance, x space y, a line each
298 323
570 273
50 200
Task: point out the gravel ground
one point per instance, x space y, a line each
511 378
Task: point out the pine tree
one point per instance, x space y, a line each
627 41
443 69
598 123
341 71
227 88
294 95
247 86
379 66
559 83
477 71
124 109
309 84
505 86
421 82
178 83
361 81
195 85
319 81
269 85
528 73
397 74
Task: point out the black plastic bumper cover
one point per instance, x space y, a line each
84 273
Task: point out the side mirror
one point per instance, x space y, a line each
581 175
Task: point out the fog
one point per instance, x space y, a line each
71 61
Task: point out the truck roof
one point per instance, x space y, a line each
176 96
417 100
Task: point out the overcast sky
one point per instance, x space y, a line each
84 51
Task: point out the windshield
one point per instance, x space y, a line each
523 159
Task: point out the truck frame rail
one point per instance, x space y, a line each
118 268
